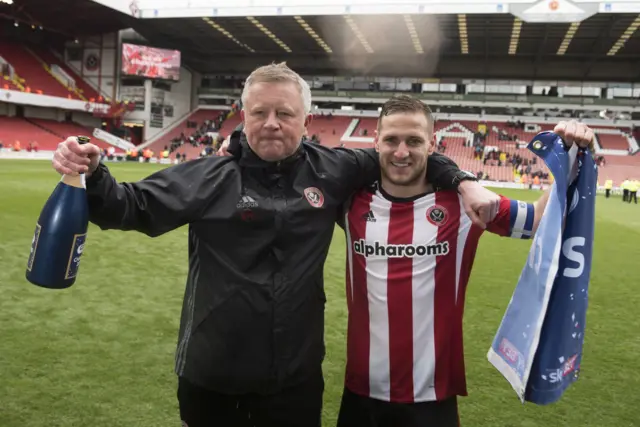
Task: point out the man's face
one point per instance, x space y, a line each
274 119
404 143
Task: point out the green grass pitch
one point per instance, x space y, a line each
100 354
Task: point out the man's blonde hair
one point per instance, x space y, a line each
406 104
278 73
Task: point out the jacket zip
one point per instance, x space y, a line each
280 204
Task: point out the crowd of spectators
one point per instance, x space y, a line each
522 167
201 135
32 146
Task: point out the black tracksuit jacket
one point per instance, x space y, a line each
253 311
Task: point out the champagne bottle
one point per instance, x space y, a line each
59 237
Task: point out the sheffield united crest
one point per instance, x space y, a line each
314 197
437 215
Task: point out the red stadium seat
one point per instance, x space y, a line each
29 67
48 57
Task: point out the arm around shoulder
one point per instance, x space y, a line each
361 167
442 172
357 168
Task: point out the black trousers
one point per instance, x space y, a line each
298 406
361 411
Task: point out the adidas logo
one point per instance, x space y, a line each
369 217
247 202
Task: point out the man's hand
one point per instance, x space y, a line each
72 158
574 132
481 205
222 151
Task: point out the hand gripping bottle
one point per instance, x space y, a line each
58 241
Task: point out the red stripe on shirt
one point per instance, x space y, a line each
445 313
400 305
357 371
458 377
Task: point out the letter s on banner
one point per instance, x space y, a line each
571 254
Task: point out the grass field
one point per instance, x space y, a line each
100 354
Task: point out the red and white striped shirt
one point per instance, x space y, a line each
408 264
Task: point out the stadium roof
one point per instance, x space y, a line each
69 18
493 46
604 47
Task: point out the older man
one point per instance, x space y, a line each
260 225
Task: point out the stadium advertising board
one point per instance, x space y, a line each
150 62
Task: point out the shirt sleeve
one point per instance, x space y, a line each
515 219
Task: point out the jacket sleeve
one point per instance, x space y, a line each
441 172
155 205
362 167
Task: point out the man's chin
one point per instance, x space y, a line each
271 152
402 182
402 179
270 156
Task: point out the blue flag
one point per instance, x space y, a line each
538 347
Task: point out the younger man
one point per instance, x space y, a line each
410 251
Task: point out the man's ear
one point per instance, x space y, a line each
242 115
432 144
308 120
375 141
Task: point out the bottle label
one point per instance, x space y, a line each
34 246
74 256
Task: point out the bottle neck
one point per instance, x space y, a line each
77 181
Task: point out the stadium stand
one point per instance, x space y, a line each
365 127
182 129
622 160
8 84
82 89
612 141
32 73
456 139
45 133
329 129
19 131
183 139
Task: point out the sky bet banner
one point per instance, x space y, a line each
538 347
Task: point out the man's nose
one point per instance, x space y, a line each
402 151
272 121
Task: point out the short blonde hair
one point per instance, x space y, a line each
278 73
